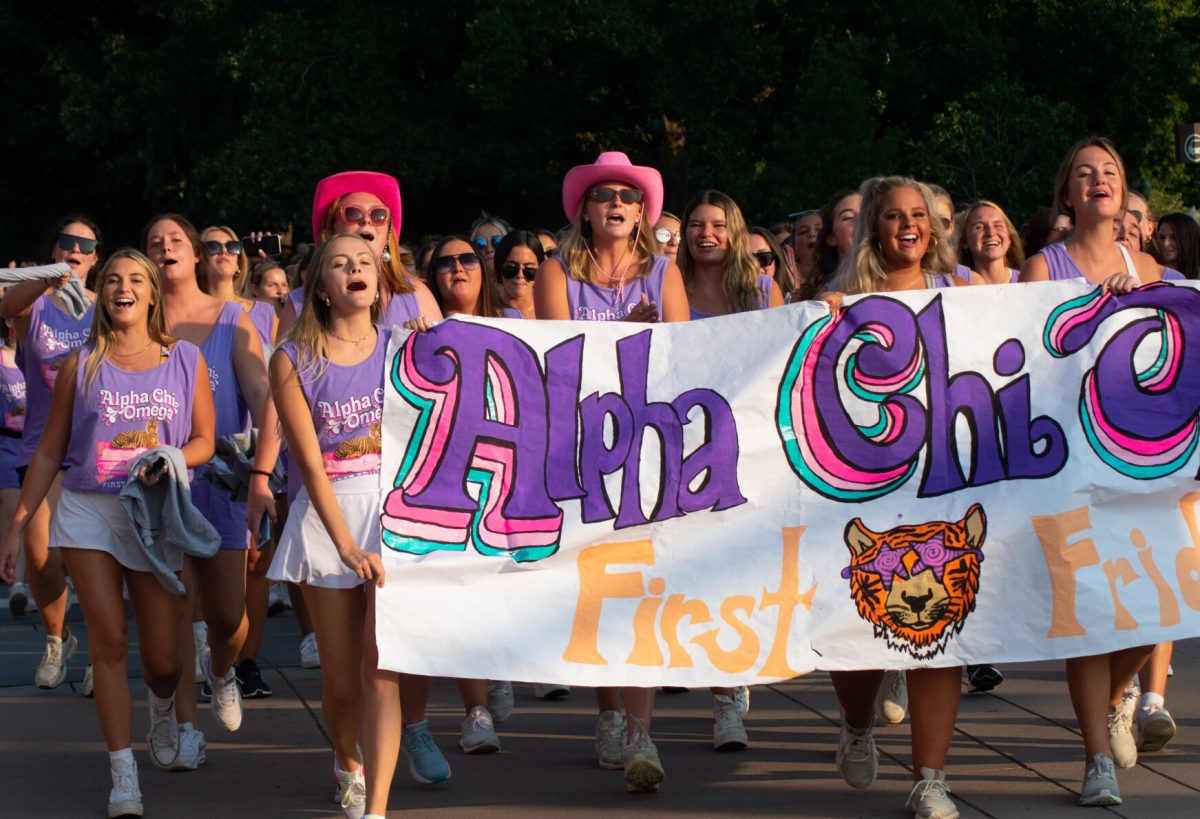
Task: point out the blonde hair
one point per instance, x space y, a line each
101 338
202 269
740 277
308 333
863 269
576 253
1015 256
1063 177
392 276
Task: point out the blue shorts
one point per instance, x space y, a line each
227 516
9 444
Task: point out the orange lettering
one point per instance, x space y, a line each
596 584
646 650
1064 559
741 658
1168 606
786 599
674 610
1120 569
1187 562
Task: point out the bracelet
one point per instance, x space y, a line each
262 472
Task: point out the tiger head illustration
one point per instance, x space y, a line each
916 584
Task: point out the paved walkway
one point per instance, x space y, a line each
1016 752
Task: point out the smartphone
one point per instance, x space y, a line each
264 533
269 245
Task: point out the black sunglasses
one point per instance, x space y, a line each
766 258
444 264
67 241
512 270
481 242
630 196
213 248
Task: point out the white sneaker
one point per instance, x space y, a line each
226 694
1153 728
351 792
19 597
610 739
1100 783
930 798
52 670
643 770
741 698
310 655
892 701
500 701
1120 735
275 599
125 798
857 758
550 691
479 733
89 682
163 740
191 749
200 641
729 734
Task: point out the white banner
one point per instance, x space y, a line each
936 478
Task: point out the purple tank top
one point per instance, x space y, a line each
764 298
590 302
1170 274
347 409
53 335
941 280
232 415
1062 266
262 316
296 297
401 307
122 414
12 399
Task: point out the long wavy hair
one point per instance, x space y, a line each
393 278
825 258
863 270
308 333
1014 258
576 253
739 280
100 341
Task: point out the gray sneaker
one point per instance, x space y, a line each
643 770
891 703
610 739
479 733
191 749
163 740
1120 736
729 732
857 759
1153 728
52 670
1100 783
930 798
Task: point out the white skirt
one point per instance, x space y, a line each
306 553
95 520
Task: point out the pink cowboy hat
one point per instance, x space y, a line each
613 166
331 188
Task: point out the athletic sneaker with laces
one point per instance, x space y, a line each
89 682
52 670
18 599
741 698
610 739
191 748
226 694
251 681
163 740
729 733
310 655
930 798
351 792
500 701
479 732
891 703
1120 734
426 762
1100 783
983 678
643 770
857 758
1153 728
125 798
550 691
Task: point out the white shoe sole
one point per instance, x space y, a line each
130 807
1102 799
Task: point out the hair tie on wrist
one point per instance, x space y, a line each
262 472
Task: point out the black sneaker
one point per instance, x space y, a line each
253 685
983 678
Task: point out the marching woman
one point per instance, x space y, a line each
898 244
1091 188
334 357
989 245
608 271
46 334
129 354
238 380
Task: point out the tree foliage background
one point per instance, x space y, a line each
231 111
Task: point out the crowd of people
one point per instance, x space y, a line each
188 343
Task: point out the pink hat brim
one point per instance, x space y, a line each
613 166
331 188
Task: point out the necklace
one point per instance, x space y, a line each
115 354
351 340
